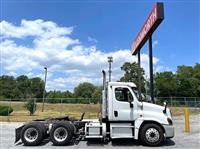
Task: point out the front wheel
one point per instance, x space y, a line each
152 134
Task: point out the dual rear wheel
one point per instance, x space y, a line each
32 134
61 133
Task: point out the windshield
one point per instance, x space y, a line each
136 92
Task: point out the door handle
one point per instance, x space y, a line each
115 113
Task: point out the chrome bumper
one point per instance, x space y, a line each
169 131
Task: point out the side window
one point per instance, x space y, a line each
123 94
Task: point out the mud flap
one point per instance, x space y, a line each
18 133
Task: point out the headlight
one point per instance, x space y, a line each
169 121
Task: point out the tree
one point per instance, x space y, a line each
96 96
197 71
165 84
31 106
23 84
36 87
53 96
197 77
7 85
188 80
184 83
131 74
84 90
16 93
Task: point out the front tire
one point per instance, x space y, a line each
152 134
61 133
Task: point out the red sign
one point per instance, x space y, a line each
155 18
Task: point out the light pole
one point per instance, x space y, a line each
45 79
110 60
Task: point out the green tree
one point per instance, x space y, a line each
165 84
16 93
31 106
7 85
55 96
84 90
97 95
197 77
197 71
131 74
36 87
188 80
23 84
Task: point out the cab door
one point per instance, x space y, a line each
122 105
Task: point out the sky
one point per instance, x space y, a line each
74 38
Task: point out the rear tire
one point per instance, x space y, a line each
32 134
152 135
61 133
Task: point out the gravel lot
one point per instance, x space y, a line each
181 139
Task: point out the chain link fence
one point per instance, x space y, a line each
74 107
193 102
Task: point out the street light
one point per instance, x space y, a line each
45 79
110 60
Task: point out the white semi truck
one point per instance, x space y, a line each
123 115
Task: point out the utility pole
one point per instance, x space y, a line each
110 60
45 79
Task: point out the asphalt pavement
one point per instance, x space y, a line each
181 140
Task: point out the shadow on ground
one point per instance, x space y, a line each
116 142
124 142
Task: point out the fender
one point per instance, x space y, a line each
141 120
18 133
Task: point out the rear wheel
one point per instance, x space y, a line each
32 134
152 134
61 133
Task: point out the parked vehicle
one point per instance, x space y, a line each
123 115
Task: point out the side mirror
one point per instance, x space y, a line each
165 104
131 104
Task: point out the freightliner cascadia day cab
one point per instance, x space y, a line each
122 116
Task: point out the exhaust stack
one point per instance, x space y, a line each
104 97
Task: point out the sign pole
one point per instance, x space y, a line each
151 69
139 76
153 21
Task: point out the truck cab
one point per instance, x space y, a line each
125 116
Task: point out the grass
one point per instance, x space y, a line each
20 114
177 111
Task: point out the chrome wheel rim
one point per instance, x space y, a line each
31 134
152 135
60 134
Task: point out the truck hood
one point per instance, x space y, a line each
155 112
152 107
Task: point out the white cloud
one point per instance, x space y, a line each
11 73
45 29
69 62
91 39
